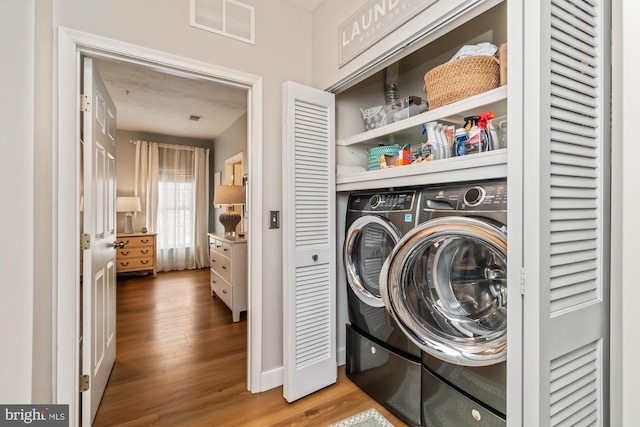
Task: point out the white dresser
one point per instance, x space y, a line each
228 265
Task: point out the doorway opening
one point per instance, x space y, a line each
71 46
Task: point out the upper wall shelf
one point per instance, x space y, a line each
408 130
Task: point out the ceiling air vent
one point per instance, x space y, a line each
226 17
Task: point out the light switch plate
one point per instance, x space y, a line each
274 219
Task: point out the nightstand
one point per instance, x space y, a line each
137 254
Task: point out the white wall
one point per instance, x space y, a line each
16 192
231 142
163 25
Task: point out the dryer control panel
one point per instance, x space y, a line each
382 202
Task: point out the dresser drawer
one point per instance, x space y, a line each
136 241
222 289
134 252
222 266
221 247
215 282
134 263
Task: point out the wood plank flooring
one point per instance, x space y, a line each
181 361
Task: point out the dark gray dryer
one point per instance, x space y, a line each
445 284
381 359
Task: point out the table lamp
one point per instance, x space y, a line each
129 205
229 195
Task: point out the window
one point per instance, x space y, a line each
175 214
173 182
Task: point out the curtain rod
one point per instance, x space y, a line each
167 145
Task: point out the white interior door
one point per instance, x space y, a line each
309 254
99 222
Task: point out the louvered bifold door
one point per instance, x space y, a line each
308 226
565 197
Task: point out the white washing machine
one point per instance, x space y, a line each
445 284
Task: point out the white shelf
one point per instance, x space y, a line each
406 131
492 164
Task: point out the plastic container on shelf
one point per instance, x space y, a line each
375 117
376 152
498 129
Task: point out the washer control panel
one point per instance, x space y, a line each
483 196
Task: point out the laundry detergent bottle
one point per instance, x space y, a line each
432 143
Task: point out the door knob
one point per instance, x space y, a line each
314 257
117 245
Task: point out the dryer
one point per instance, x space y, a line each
445 284
381 359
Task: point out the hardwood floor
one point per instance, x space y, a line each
181 361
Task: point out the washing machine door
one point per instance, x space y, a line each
370 240
446 285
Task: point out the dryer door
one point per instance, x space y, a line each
446 286
370 240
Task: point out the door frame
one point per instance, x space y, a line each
72 44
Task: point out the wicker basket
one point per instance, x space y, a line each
459 79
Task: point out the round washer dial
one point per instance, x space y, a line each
375 201
474 196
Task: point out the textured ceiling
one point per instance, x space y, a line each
157 102
148 100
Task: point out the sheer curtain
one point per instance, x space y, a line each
173 185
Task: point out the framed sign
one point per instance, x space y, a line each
372 22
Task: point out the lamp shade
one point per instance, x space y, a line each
128 204
228 195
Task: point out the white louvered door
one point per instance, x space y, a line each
309 240
565 205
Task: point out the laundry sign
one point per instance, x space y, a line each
373 21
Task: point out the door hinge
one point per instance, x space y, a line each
522 281
85 241
84 383
85 103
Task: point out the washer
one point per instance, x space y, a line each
381 359
445 284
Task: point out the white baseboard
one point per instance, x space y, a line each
342 356
272 379
275 377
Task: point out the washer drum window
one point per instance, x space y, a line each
370 240
446 285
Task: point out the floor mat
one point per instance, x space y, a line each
368 418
